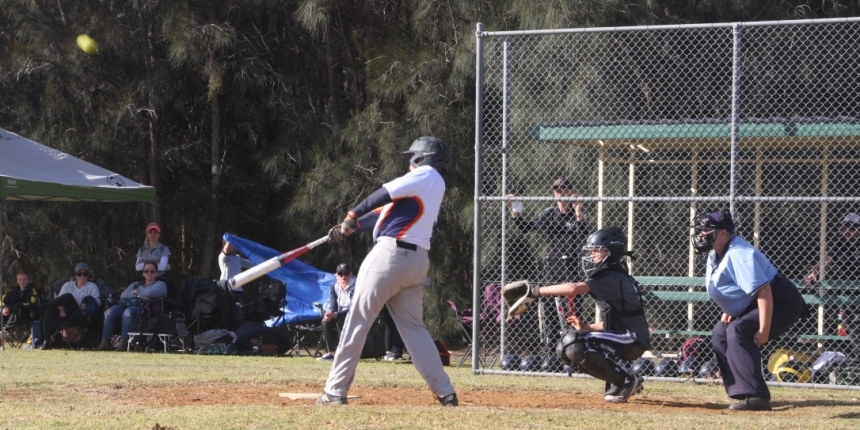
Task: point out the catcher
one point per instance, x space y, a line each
623 333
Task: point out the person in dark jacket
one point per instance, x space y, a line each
21 301
566 228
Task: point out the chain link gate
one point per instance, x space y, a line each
650 126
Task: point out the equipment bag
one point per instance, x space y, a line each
374 346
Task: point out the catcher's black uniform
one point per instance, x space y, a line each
625 335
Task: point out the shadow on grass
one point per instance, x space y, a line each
818 404
685 405
777 406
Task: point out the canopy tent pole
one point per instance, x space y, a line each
2 323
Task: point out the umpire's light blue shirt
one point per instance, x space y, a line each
734 281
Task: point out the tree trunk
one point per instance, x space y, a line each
333 81
212 214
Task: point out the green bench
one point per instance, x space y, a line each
695 293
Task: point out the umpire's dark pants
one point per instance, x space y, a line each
738 356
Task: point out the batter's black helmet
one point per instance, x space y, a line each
666 368
643 367
610 238
510 362
429 151
531 363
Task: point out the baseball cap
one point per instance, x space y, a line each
342 267
561 182
153 226
716 220
82 267
851 220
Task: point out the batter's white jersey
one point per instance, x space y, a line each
416 199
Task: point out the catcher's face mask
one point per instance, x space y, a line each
593 258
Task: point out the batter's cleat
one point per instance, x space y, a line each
751 404
449 401
330 400
623 393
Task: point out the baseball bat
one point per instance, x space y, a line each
273 263
562 319
542 323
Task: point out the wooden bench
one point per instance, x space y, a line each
694 294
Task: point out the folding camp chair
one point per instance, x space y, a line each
77 329
16 330
465 320
309 332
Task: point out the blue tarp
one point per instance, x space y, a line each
306 284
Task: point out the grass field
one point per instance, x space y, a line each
89 390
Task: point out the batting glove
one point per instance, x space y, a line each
349 225
335 235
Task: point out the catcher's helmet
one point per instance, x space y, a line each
643 367
510 362
709 369
705 226
610 239
551 363
530 363
666 368
429 151
793 371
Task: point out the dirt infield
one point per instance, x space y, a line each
210 394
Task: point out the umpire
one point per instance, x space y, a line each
758 304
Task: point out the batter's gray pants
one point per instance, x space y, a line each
395 276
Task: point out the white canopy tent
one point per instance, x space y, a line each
34 172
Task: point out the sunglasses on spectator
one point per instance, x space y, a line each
343 274
150 271
82 274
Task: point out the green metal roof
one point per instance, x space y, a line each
692 130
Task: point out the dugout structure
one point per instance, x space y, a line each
652 125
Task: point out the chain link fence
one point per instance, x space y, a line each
650 126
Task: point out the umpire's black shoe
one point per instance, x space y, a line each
449 401
331 400
751 404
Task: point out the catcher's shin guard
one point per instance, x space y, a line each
596 364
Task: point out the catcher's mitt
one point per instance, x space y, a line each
518 296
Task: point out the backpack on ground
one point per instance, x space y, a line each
258 339
206 305
374 346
